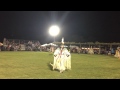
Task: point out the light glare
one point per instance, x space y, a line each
54 30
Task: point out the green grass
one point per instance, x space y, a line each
35 65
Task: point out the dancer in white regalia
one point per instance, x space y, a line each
62 58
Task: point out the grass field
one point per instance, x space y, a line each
35 65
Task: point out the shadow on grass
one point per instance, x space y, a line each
51 68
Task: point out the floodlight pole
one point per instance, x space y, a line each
54 38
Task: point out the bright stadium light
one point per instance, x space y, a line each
54 31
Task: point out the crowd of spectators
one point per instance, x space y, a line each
30 45
15 45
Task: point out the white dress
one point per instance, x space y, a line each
62 59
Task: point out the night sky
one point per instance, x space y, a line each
75 26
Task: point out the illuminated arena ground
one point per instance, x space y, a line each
35 65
